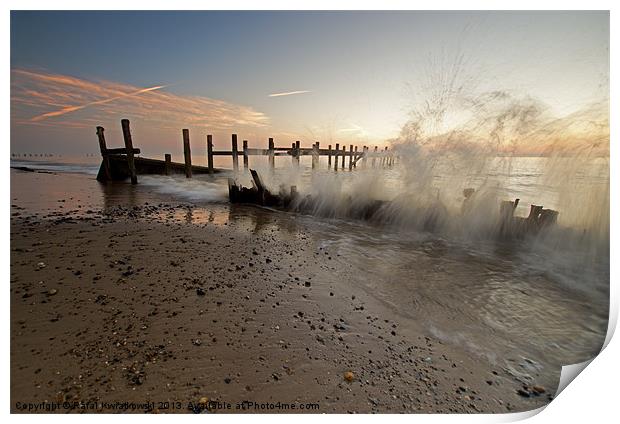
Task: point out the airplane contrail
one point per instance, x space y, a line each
69 109
289 93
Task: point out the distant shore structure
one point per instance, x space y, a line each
119 164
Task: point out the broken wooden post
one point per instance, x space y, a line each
297 152
534 212
245 154
329 156
167 166
235 153
350 157
187 154
129 146
315 155
336 156
272 162
104 154
548 217
210 153
344 155
356 158
260 188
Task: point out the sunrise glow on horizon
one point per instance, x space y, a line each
348 77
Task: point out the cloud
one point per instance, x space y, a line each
40 98
354 129
289 93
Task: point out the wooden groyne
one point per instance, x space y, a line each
509 226
119 164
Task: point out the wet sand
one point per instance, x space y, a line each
132 305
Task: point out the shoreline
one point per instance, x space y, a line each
135 309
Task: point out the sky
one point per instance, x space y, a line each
348 77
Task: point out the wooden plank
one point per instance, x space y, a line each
104 155
245 154
168 160
329 156
129 146
210 153
235 153
336 156
122 151
272 162
350 157
187 154
257 181
315 155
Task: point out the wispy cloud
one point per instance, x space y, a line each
289 93
354 129
39 98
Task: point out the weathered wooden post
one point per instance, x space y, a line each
385 153
374 157
245 154
297 151
315 154
329 156
168 160
344 155
129 147
235 153
365 157
272 161
187 154
356 158
350 157
210 153
104 154
336 156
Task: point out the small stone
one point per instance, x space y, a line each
200 291
41 265
52 292
227 380
523 393
538 389
348 376
307 284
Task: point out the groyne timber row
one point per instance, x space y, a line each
119 164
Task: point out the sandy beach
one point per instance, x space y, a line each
131 304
